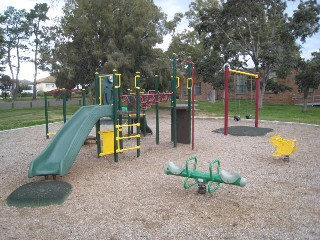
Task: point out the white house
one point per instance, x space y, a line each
46 84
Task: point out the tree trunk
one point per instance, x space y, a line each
34 94
261 93
305 100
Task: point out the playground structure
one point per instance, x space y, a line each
62 151
284 147
203 178
58 157
226 93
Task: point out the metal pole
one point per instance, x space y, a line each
157 108
137 86
226 98
64 101
189 100
84 103
97 90
174 100
115 109
193 110
46 113
257 102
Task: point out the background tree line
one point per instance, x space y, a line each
104 35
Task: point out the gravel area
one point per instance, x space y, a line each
134 199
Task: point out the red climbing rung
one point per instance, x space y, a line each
147 99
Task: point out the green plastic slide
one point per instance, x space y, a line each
58 157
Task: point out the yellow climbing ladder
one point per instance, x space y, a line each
120 137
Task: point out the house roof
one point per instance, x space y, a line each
49 79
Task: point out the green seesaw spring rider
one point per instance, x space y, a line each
203 178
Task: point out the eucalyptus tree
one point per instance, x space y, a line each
36 18
14 25
98 36
308 77
256 31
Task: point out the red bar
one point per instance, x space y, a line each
192 96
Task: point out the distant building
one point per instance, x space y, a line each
240 87
46 84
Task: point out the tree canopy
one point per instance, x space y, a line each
94 36
252 32
36 31
14 26
308 77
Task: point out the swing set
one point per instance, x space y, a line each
241 88
226 100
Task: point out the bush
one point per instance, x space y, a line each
25 94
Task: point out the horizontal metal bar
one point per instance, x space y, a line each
244 73
127 149
128 125
128 137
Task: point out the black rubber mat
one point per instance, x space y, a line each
245 131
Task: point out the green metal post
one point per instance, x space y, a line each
174 99
137 86
97 94
157 108
64 101
84 102
120 116
46 113
115 109
189 85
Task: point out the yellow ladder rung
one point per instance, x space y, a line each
127 149
128 137
134 115
128 125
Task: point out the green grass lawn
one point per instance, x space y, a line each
16 118
24 117
272 112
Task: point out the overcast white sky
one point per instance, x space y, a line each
170 7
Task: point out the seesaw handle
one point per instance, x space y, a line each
194 165
195 161
210 168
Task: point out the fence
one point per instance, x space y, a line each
37 103
311 100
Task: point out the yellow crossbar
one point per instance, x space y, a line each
127 149
244 73
128 125
128 137
134 115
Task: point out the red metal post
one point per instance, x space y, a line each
193 76
226 98
257 101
